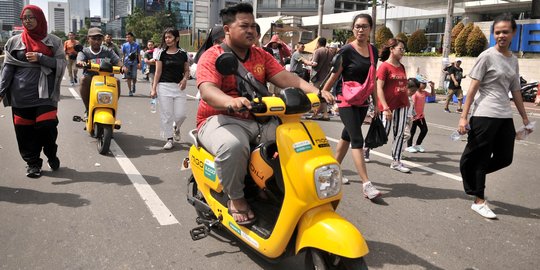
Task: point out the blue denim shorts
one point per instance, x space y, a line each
131 72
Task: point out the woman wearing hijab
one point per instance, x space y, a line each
30 84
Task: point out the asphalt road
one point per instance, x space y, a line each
128 210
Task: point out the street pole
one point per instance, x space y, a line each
446 41
374 16
385 8
321 9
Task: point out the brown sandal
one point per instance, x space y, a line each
245 213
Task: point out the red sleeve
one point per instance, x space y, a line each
382 72
206 70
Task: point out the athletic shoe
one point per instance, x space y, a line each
420 149
54 163
483 210
176 134
411 149
75 80
447 110
134 89
398 166
344 180
370 191
366 155
459 110
33 171
130 93
169 145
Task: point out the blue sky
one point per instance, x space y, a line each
95 6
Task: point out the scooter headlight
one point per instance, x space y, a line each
104 97
328 181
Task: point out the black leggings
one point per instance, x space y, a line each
490 147
422 124
353 118
35 129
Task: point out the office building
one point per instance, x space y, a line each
10 10
59 17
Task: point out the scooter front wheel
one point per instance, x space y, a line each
320 260
104 136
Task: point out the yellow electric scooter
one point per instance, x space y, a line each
293 186
103 104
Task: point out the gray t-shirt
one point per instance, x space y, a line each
497 74
296 64
104 53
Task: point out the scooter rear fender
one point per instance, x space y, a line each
324 229
104 116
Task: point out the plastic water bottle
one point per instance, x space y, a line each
153 105
455 136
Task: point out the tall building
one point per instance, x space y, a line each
78 10
9 13
106 10
341 6
59 16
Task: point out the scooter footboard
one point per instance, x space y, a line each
104 116
324 229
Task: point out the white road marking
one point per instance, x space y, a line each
149 196
74 93
412 164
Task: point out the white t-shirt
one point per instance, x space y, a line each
497 74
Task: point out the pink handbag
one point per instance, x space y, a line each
355 93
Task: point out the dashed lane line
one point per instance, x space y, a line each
149 196
412 164
74 93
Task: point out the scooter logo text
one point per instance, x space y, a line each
210 170
302 146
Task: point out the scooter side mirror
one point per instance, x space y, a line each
336 62
227 64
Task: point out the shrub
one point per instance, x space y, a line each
382 35
455 32
461 40
417 41
476 42
403 37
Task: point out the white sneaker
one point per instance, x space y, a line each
168 145
483 210
366 155
398 166
344 180
370 191
176 134
411 149
420 149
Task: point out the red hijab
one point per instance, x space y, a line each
32 38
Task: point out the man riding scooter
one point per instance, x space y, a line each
219 114
95 51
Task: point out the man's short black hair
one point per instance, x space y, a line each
322 41
130 34
228 15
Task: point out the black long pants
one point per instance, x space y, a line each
490 147
422 124
35 129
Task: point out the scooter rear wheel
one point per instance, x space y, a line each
104 136
317 259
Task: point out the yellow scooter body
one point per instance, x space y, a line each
103 101
302 148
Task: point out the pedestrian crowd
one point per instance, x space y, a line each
35 63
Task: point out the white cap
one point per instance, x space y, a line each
458 60
333 45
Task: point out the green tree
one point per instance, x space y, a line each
382 35
60 34
476 42
461 40
342 35
455 32
149 27
81 36
417 41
